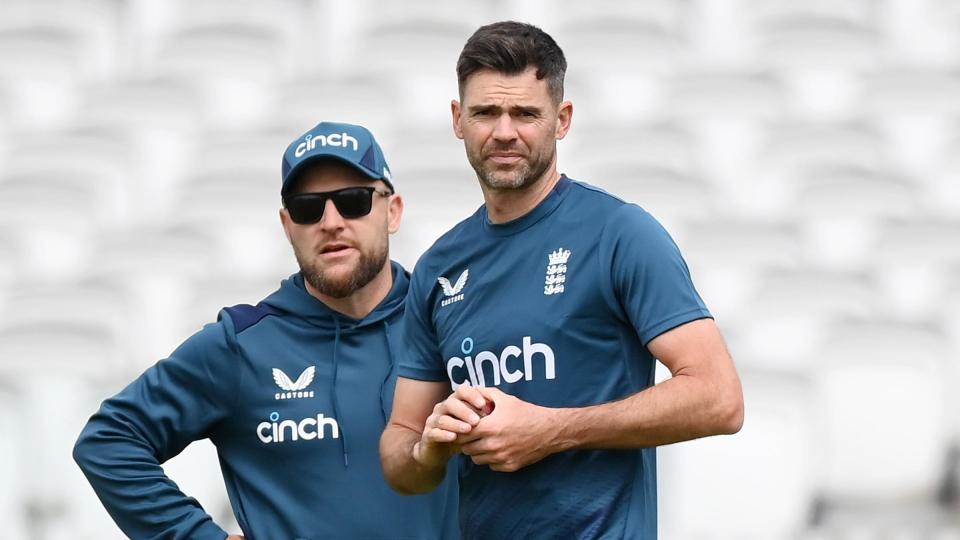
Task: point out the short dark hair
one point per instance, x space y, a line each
511 47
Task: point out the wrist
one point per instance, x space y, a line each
417 453
430 456
563 432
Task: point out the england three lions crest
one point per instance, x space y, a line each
556 277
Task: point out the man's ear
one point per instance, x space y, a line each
564 119
394 213
455 113
285 221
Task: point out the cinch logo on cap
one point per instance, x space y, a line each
333 139
351 144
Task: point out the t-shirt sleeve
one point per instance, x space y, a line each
650 281
420 354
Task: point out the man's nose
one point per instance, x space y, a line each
331 219
504 129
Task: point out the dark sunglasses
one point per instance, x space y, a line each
351 203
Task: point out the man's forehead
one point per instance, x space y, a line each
490 86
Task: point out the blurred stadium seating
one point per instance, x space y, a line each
805 156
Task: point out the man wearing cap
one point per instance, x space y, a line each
294 391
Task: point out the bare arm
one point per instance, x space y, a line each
421 436
703 398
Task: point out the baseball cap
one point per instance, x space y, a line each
349 143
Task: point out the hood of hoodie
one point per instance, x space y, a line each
292 297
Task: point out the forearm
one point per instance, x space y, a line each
405 474
132 486
678 409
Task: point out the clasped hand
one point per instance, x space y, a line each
514 435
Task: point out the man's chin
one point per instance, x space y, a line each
504 182
509 176
339 274
335 285
343 276
338 290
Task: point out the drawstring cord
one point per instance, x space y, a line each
383 384
333 394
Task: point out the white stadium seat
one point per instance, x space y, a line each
881 406
371 101
756 484
13 507
912 91
609 36
817 34
196 471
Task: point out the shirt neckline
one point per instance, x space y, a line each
542 210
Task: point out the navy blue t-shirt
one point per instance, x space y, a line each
556 308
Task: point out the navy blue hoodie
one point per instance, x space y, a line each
295 396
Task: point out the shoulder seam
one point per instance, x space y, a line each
244 316
598 190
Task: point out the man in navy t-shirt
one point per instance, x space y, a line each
532 328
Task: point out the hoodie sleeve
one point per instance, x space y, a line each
176 401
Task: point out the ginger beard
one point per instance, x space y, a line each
338 281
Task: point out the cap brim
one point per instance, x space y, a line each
295 171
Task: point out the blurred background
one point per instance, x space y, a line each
805 156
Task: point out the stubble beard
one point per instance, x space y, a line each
367 268
520 177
